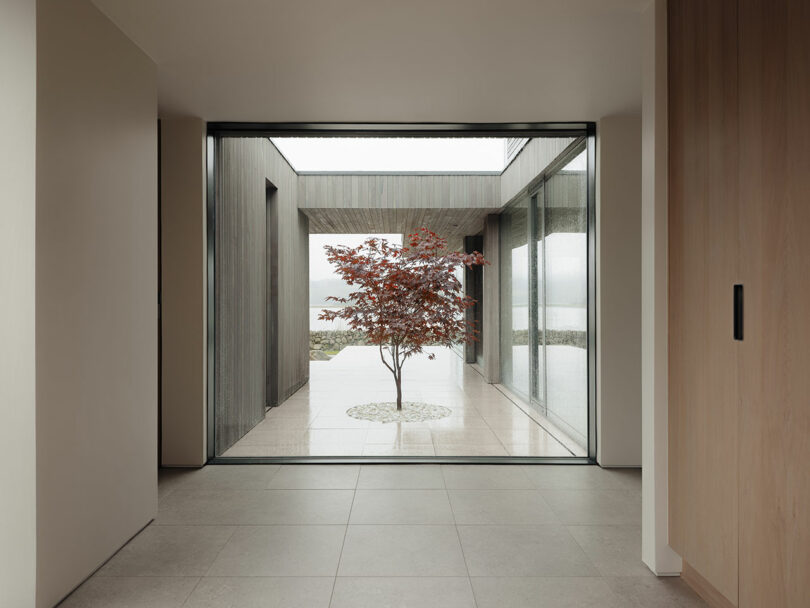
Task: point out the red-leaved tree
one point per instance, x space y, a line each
406 298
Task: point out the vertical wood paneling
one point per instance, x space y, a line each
244 167
369 191
775 354
529 163
240 290
703 266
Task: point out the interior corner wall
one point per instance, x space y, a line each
96 293
17 303
245 165
183 292
618 290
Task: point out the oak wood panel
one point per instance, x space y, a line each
703 266
775 354
704 588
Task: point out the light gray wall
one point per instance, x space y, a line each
618 289
244 168
17 303
183 281
96 293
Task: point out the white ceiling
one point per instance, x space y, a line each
390 60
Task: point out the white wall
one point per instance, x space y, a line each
618 289
183 281
17 379
655 550
96 300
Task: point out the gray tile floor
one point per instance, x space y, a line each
425 536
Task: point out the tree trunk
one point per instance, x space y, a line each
399 392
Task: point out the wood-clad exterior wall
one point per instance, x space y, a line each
388 191
246 168
739 178
529 163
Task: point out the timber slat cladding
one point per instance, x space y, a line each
246 167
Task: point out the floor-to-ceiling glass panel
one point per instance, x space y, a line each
515 300
539 307
566 297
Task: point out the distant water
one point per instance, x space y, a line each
558 317
316 325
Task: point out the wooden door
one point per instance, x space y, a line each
774 68
703 267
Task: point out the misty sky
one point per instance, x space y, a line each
393 153
319 268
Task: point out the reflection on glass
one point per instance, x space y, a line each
515 297
544 298
538 348
566 297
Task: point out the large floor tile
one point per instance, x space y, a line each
543 550
316 477
614 550
451 437
326 421
488 449
169 551
393 550
335 436
396 435
381 449
548 449
652 591
285 436
401 507
229 477
262 592
131 592
280 551
403 592
583 477
595 506
169 479
557 592
500 507
222 507
400 477
485 477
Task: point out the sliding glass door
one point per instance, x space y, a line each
544 301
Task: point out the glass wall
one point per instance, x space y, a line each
514 255
544 291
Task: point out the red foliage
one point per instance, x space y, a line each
406 298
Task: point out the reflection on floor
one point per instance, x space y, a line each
484 422
350 536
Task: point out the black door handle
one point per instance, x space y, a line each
738 312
